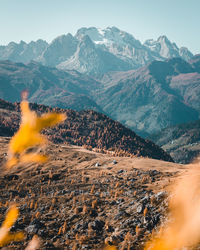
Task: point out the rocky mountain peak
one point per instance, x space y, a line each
195 61
92 32
11 44
108 36
59 50
164 39
185 53
123 49
22 42
63 39
167 49
86 42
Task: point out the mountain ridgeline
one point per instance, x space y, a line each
94 51
85 128
155 96
47 85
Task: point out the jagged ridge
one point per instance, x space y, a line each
94 51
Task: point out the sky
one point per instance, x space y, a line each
29 20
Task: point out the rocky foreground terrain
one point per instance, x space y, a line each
82 199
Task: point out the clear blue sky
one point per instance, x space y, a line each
30 20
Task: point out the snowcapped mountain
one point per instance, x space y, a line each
167 49
94 51
109 37
119 43
92 60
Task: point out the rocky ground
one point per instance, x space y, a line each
85 200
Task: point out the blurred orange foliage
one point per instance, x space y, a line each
29 135
183 227
110 248
5 235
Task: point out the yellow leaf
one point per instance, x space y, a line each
11 237
110 248
11 217
5 236
49 120
28 135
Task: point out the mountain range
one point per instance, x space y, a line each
147 87
94 51
103 185
153 97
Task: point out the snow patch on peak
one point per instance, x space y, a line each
94 33
101 31
113 29
108 36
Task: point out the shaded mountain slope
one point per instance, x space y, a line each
59 50
147 100
153 97
86 128
195 61
47 85
182 142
